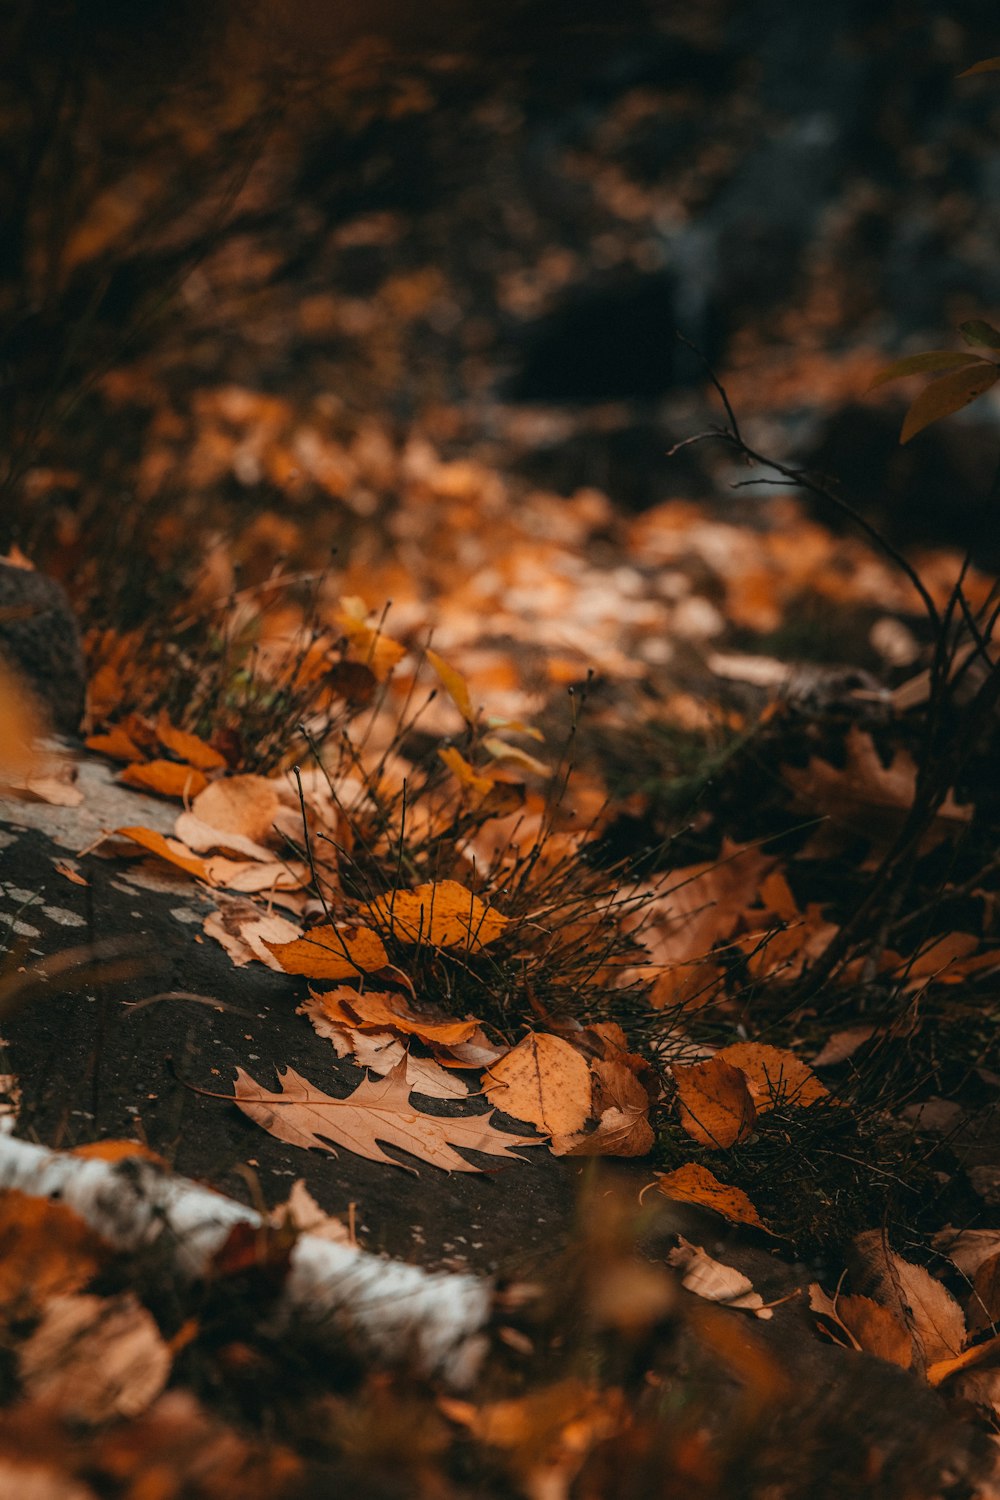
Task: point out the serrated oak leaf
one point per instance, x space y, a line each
378 1110
330 952
440 914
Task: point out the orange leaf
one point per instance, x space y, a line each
774 1074
118 1151
115 744
331 952
442 914
714 1102
188 747
170 849
165 777
469 777
544 1080
694 1184
454 685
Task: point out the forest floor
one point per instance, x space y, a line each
495 846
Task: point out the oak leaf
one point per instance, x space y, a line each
714 1102
442 914
377 1111
544 1080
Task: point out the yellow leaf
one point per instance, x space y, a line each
331 952
500 750
948 394
442 914
469 777
925 364
454 685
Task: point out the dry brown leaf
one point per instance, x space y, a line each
442 914
714 1102
695 1184
774 1075
967 1248
877 1329
693 909
377 1111
377 1010
543 1080
95 1358
984 1300
867 798
46 1250
927 1309
841 1045
382 1051
165 777
250 877
714 1281
622 1106
188 747
329 952
477 1052
246 805
244 930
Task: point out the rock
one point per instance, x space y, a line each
39 637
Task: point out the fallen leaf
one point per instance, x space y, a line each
169 849
381 1051
715 1281
244 931
454 685
543 1080
376 1111
307 1217
466 775
967 1248
714 1102
330 952
188 747
877 1329
696 1184
622 1106
774 1075
95 1358
922 1304
115 744
46 1250
376 1010
984 1300
165 777
442 914
203 838
246 805
841 1045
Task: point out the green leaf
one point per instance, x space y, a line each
922 364
978 332
988 65
947 395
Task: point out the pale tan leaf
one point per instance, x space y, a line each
543 1080
95 1358
377 1111
841 1045
382 1051
715 1281
246 805
967 1248
696 1184
714 1102
928 1309
204 839
244 930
